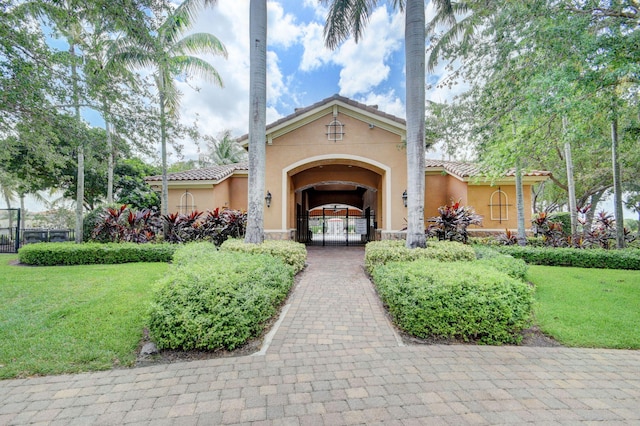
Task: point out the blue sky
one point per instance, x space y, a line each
301 71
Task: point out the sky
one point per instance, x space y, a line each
300 70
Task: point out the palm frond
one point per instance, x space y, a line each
199 43
196 67
347 17
460 32
182 19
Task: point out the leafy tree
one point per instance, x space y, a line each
130 186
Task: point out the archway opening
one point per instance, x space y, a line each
336 204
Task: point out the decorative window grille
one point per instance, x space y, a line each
187 203
499 206
335 130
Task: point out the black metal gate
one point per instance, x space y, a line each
9 230
335 227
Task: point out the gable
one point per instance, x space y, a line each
335 106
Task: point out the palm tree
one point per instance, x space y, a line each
169 53
257 121
225 150
348 17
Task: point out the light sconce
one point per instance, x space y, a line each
268 199
371 126
404 198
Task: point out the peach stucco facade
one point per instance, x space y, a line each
345 154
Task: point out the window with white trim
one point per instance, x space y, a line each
187 203
499 206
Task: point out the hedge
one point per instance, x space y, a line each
581 258
516 268
462 300
291 252
69 253
214 300
382 252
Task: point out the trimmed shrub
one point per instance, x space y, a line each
516 268
462 300
50 254
290 252
581 258
381 252
214 300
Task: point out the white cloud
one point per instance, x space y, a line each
315 53
386 102
364 64
282 29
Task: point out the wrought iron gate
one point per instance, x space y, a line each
331 227
9 230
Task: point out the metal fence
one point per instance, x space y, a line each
13 236
330 227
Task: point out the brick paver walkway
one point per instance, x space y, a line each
335 360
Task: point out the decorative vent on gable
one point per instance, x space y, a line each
335 130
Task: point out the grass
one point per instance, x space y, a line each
596 308
66 319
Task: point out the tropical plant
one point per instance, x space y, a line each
169 52
224 150
452 223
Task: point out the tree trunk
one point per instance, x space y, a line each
7 200
164 196
257 121
573 212
522 234
415 98
110 162
80 149
617 185
594 200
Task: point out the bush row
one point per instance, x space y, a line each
382 252
463 300
49 254
516 268
214 300
290 252
590 258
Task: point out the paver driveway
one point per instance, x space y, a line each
335 359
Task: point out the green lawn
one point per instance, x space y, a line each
597 308
64 319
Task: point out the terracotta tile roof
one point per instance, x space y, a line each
205 173
301 111
463 170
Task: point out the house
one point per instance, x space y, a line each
336 174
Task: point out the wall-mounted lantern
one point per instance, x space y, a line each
404 198
268 199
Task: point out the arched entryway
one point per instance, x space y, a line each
337 201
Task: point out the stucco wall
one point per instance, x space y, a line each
307 148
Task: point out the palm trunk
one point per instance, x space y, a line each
415 88
522 234
257 121
617 185
164 196
80 176
571 186
110 159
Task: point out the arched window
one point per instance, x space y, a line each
499 206
335 130
187 203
